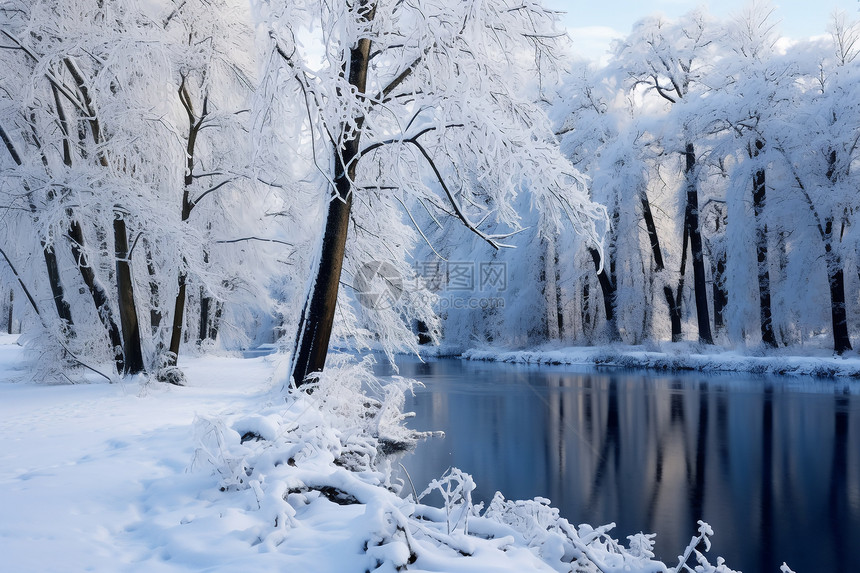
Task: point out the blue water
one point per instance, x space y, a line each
773 464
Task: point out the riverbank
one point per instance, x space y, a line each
230 474
683 356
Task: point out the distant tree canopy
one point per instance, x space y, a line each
177 176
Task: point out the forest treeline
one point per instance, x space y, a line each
727 158
184 174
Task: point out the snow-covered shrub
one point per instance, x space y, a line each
325 456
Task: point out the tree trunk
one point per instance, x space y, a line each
759 200
11 308
550 286
673 302
125 284
205 303
691 221
154 299
178 317
98 294
315 326
203 325
651 227
64 311
721 297
559 303
836 280
674 299
215 327
607 288
317 319
585 310
195 124
127 307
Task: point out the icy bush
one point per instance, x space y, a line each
328 452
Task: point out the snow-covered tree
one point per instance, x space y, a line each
823 162
669 59
424 103
124 125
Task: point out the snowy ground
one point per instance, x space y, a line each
685 356
93 477
224 475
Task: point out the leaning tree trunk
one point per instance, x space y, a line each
759 199
317 319
691 221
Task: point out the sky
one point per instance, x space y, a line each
593 24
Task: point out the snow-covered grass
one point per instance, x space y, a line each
228 475
683 356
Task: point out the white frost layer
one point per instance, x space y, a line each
679 356
224 476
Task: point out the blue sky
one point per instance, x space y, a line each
593 23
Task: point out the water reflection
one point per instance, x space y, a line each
773 467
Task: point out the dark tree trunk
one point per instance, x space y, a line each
98 293
64 311
154 299
654 239
178 317
674 313
127 306
131 343
759 200
721 296
835 273
674 299
317 319
11 308
607 288
194 125
205 305
203 325
559 305
585 311
215 327
691 221
673 302
836 280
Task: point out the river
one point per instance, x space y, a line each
773 464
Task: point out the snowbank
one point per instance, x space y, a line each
678 356
227 475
